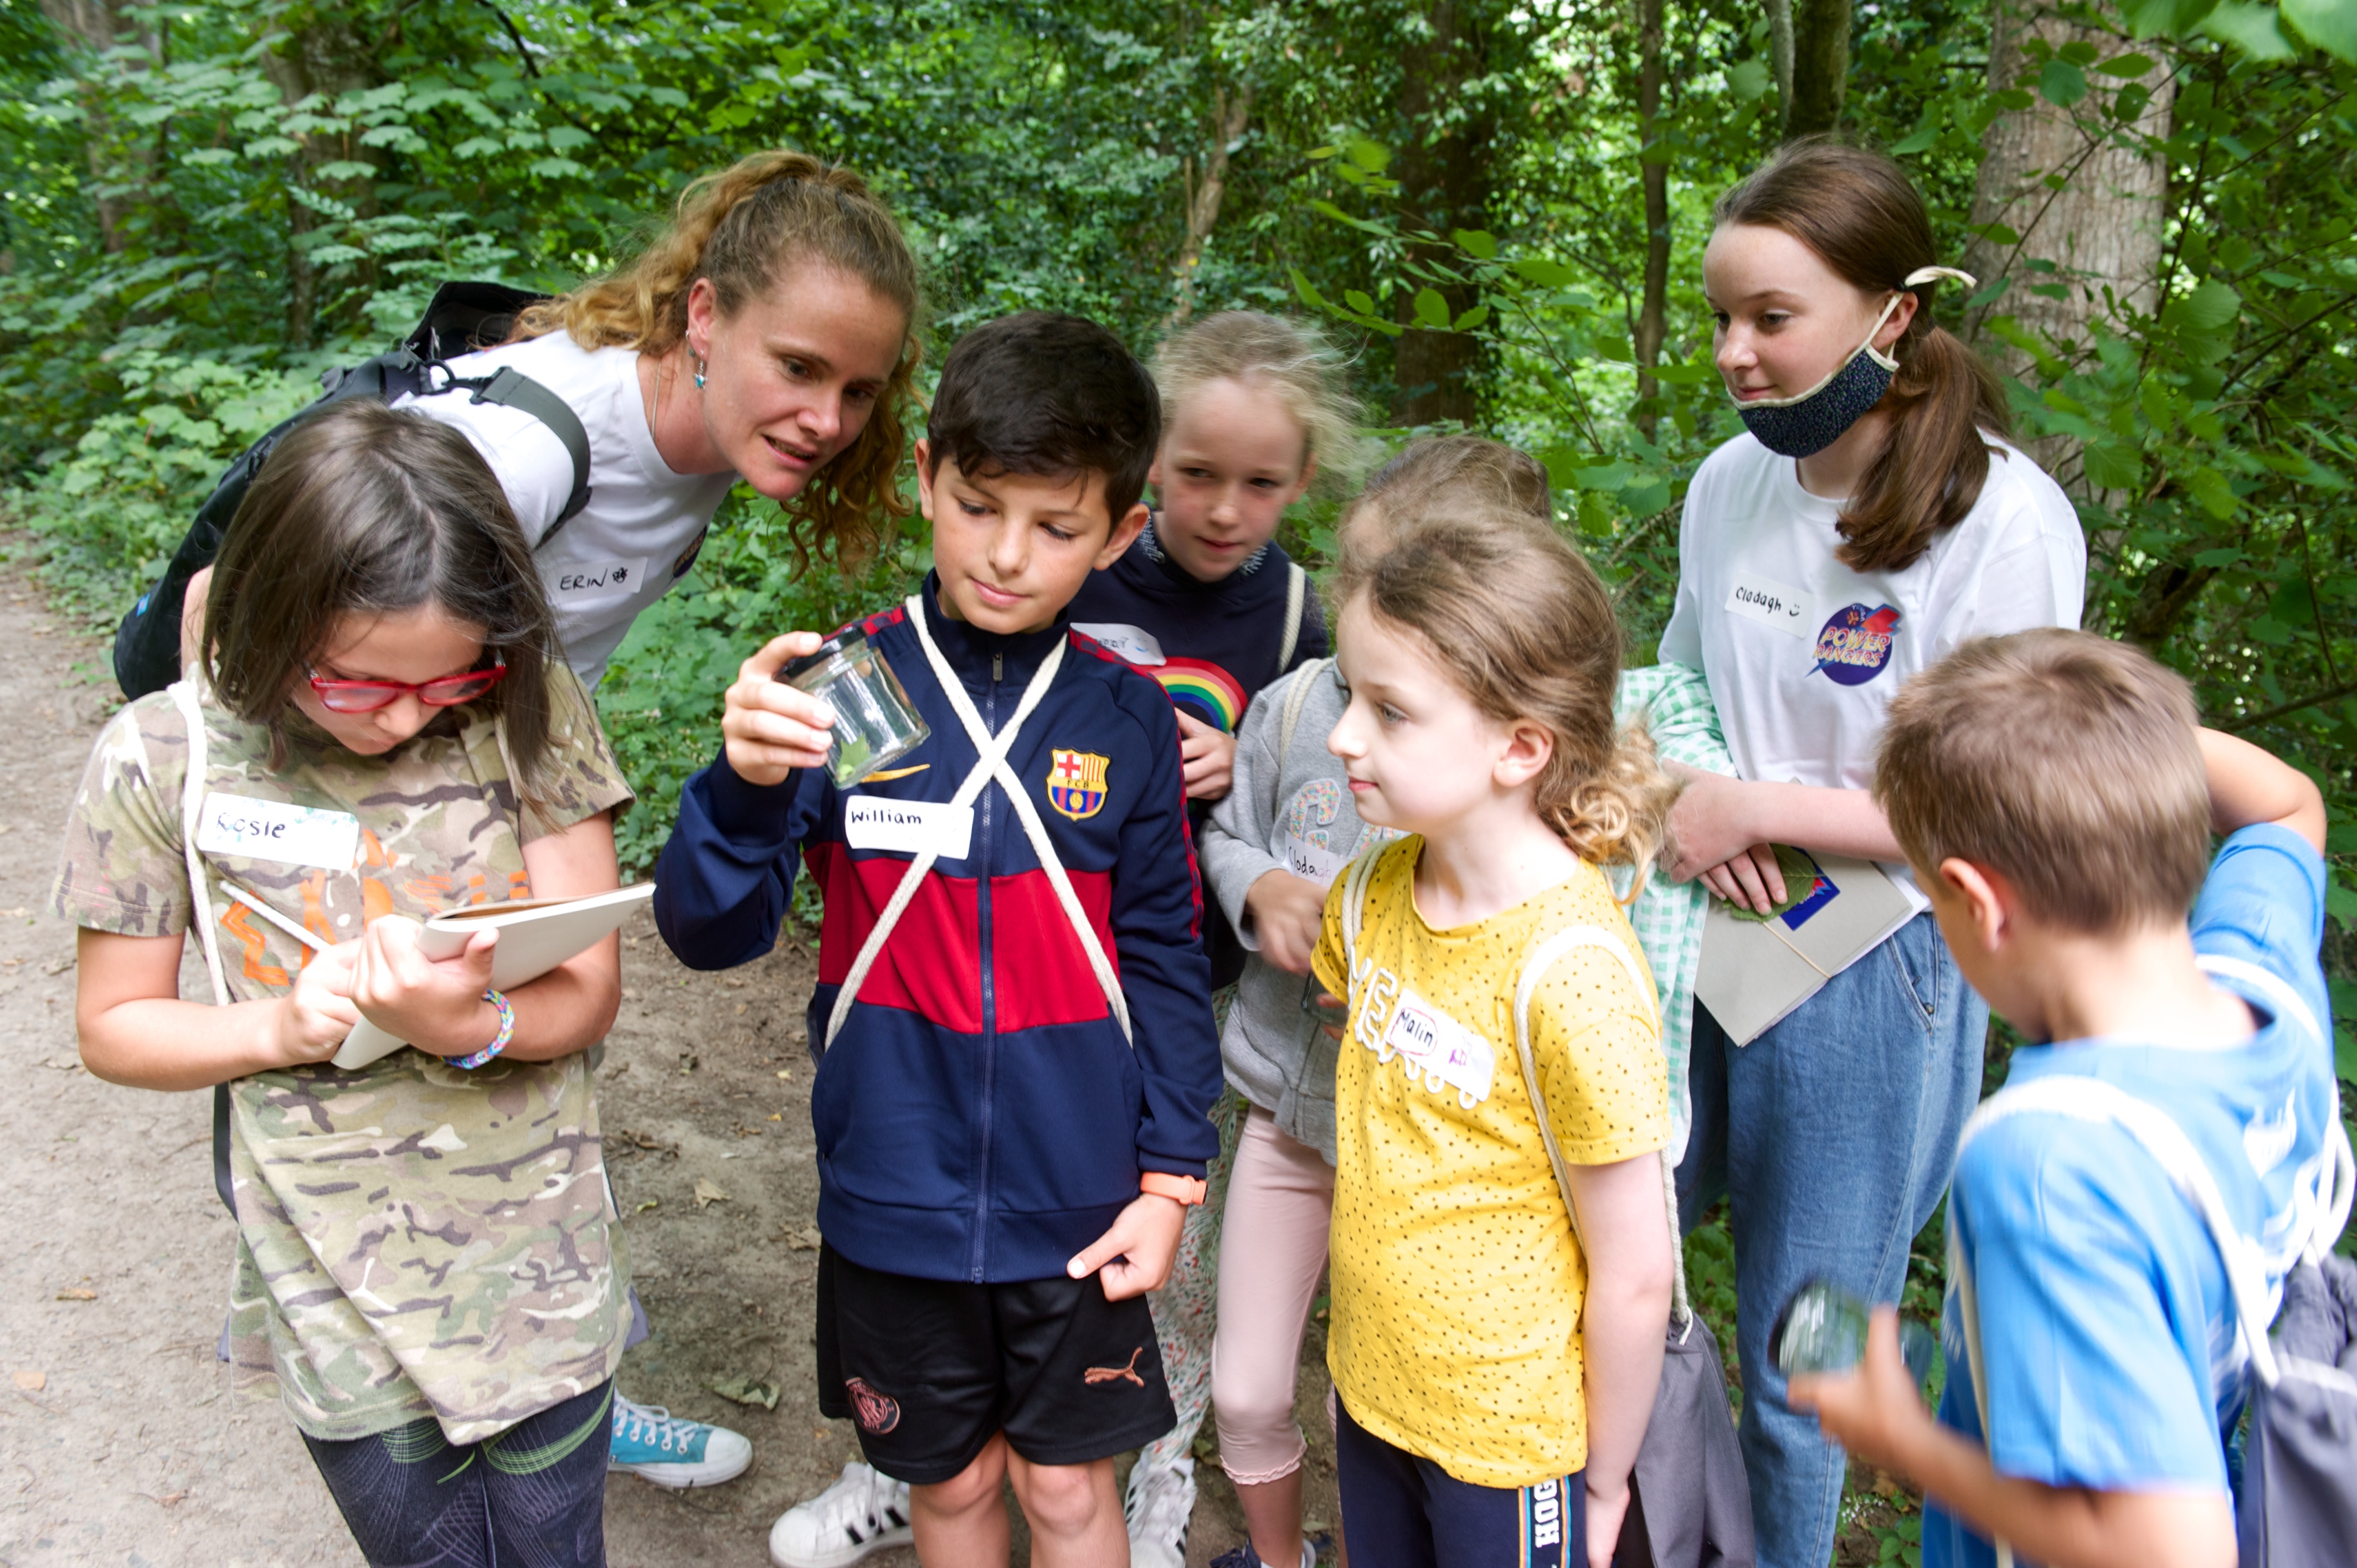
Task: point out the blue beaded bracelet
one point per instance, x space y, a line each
498 1041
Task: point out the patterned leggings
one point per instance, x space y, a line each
1186 1308
533 1496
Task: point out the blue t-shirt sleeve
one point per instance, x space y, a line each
2262 904
2089 1270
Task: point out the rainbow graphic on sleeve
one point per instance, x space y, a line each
1201 688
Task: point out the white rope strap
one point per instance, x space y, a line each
1969 1309
1354 905
1296 584
1033 828
2330 1201
192 797
2094 1100
990 762
992 749
1525 987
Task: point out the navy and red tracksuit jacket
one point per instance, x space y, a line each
981 1116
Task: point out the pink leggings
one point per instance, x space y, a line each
1272 1249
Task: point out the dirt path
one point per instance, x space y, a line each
119 1440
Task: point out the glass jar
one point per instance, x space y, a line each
1823 1329
875 722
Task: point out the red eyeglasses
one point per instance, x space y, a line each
442 692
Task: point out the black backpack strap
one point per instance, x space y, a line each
222 1182
511 388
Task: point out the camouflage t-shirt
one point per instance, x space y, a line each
412 1240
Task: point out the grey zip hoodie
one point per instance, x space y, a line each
1288 812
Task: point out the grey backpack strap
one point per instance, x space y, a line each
1290 716
1297 590
512 389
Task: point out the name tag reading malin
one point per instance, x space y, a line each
1771 602
248 829
1437 1050
908 827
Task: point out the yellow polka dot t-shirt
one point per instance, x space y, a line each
1457 1280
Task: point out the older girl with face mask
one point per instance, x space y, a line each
1873 518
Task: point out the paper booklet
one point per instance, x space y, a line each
535 935
1755 970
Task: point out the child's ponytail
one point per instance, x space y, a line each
1526 629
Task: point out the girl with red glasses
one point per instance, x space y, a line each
382 727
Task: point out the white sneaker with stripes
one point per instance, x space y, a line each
862 1512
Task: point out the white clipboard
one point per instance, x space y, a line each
1753 973
535 935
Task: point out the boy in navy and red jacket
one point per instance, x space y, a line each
1011 1114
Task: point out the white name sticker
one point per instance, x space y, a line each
1771 602
1134 644
1313 861
597 579
271 830
1439 1049
908 827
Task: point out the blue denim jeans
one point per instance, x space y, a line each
1833 1137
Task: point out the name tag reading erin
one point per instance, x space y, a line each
1771 602
595 579
273 830
908 827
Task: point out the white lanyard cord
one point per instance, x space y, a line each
990 763
192 796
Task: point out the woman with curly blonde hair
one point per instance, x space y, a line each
765 334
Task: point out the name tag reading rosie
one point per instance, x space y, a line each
246 829
908 827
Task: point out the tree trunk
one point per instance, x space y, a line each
1780 56
325 54
1230 115
1654 174
98 26
1819 66
1444 175
2101 231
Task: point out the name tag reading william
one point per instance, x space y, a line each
908 827
271 830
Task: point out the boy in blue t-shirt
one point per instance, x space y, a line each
2055 796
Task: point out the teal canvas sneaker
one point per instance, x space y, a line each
655 1445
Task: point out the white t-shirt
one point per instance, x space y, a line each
1802 654
644 524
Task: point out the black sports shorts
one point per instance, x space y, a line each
931 1370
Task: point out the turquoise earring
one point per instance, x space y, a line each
699 367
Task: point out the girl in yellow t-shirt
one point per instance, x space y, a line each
1496 1366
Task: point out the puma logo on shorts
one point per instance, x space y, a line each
1115 1374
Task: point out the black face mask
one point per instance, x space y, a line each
1804 426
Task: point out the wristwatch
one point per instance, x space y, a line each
1186 1189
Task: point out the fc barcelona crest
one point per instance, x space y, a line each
1076 782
